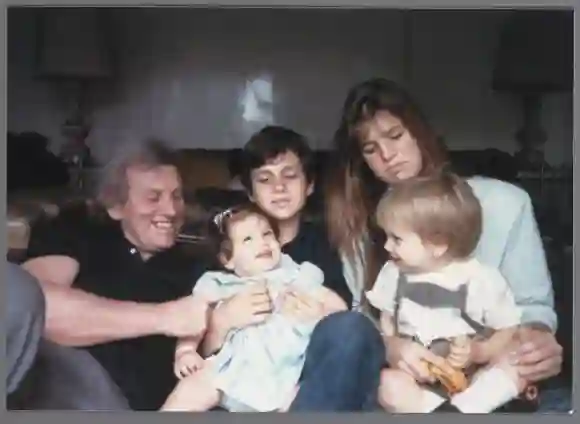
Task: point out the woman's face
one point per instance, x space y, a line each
389 149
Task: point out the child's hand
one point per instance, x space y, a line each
187 363
414 359
460 352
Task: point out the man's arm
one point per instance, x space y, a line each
77 318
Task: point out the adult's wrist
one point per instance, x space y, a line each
161 317
479 351
537 326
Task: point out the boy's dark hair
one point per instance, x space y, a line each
219 229
269 143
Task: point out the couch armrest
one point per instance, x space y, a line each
27 207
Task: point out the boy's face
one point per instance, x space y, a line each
409 252
255 248
280 188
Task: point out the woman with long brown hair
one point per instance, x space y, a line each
384 138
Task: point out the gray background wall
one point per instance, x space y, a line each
181 71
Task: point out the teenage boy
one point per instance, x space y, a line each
277 172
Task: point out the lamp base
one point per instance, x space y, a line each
76 153
531 137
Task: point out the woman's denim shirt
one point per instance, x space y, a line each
510 241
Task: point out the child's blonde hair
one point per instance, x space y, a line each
440 209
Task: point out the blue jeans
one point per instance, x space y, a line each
342 367
555 397
43 375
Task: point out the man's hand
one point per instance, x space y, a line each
251 306
185 317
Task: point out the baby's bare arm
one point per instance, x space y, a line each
387 324
186 345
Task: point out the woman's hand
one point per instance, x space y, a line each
412 357
538 356
251 306
301 306
479 351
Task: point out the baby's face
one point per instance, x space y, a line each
408 251
255 248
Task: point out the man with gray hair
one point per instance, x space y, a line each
117 284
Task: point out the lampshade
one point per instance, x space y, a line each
72 43
535 52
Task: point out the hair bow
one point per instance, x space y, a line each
218 219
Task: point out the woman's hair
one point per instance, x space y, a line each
440 209
220 225
353 190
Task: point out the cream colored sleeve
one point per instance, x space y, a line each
382 295
500 309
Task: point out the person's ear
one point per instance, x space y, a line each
249 193
250 197
116 212
439 249
227 263
310 189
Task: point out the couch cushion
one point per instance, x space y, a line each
204 203
204 168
